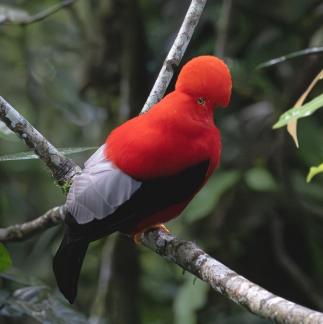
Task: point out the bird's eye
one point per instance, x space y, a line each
201 101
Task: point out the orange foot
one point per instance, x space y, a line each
137 236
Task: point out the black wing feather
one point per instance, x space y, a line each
153 196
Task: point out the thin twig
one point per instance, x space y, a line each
284 58
227 282
176 53
27 20
63 169
222 28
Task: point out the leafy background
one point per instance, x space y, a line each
80 72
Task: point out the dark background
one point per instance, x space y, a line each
84 70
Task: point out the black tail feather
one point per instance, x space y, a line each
67 265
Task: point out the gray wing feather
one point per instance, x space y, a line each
99 190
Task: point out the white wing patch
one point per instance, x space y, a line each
99 190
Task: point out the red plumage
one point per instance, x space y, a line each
178 132
149 169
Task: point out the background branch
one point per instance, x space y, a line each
26 19
222 27
98 309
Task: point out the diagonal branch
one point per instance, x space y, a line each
63 169
227 282
176 53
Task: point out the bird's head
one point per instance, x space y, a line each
207 79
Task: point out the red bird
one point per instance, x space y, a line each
149 168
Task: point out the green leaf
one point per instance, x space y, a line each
208 197
313 172
259 179
301 112
5 259
30 155
284 58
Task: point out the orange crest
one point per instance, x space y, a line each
206 77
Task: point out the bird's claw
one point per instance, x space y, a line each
137 236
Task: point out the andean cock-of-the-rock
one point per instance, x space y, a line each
149 168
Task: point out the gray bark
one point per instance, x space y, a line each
176 53
227 282
63 169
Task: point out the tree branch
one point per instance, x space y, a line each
20 232
192 259
63 169
227 282
26 19
176 53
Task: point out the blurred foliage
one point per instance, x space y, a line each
5 259
85 69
